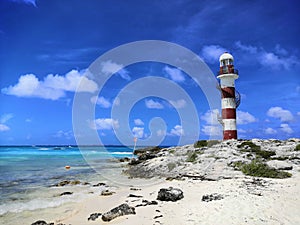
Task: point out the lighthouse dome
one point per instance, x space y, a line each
225 56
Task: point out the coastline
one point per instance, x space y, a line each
241 199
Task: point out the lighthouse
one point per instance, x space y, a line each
230 98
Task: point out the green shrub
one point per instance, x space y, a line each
256 149
211 143
297 147
191 157
265 154
171 166
200 144
253 147
172 151
258 169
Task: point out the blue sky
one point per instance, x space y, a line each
46 47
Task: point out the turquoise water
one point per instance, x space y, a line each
26 171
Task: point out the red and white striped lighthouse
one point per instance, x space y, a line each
227 75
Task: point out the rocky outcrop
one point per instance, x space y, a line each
142 151
222 160
170 194
280 165
121 210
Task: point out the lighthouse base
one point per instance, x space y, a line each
229 134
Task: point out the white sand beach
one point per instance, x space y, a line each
233 198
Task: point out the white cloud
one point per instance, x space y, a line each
174 73
246 48
212 130
104 124
138 122
28 120
283 114
52 87
3 127
298 89
211 53
279 50
286 128
298 113
103 102
5 117
211 117
177 131
270 130
244 117
242 131
274 60
63 134
110 67
138 132
151 104
181 103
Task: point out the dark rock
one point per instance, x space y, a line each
146 202
85 183
141 151
40 222
107 193
146 156
99 184
156 217
170 194
135 189
75 182
125 159
94 216
62 183
211 197
134 161
134 196
120 210
66 193
67 182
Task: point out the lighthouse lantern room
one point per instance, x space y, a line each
227 75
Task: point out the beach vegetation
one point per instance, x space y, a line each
265 154
249 146
191 156
259 169
211 143
171 166
200 144
172 151
297 147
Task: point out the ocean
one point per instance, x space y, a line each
28 174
